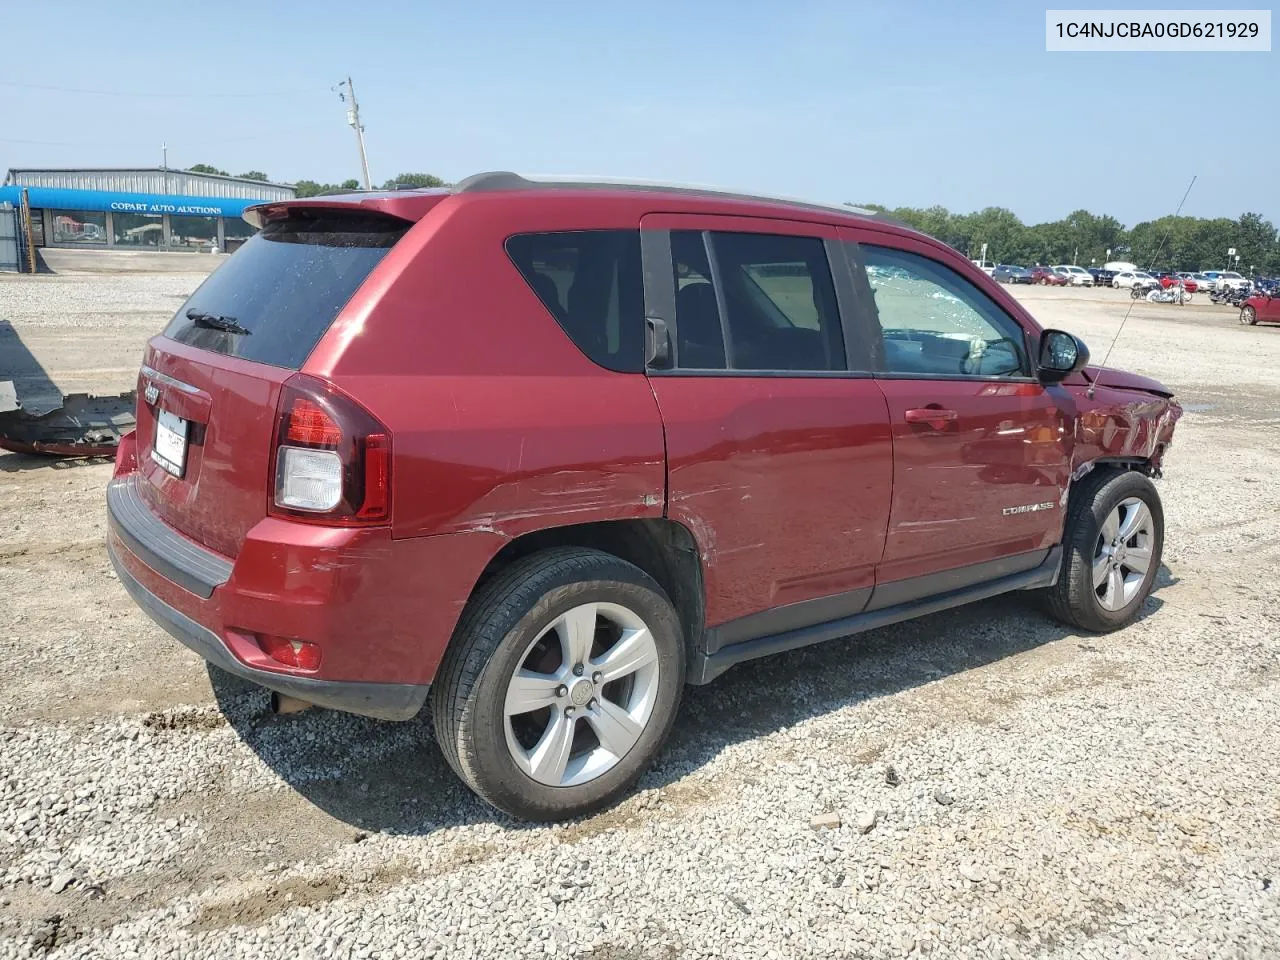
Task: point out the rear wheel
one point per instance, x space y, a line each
1112 545
560 685
1248 316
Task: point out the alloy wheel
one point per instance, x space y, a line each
1122 555
582 694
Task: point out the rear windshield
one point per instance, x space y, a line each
276 296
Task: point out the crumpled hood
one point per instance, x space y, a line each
1124 380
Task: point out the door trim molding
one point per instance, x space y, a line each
706 666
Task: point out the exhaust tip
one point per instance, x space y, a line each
281 704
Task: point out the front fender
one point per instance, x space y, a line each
1118 424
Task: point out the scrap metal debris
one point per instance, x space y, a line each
84 426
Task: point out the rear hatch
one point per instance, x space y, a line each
209 385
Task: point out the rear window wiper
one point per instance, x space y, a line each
214 321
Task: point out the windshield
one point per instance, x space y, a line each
273 300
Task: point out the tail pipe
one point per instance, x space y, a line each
282 704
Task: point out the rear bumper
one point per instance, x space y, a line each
382 610
386 701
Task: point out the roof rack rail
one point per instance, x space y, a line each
506 180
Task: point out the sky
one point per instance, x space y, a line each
904 104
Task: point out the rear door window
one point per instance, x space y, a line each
591 282
776 296
273 300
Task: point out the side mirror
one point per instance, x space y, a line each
1061 354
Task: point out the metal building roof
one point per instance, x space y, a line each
150 180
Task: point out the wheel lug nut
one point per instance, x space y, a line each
597 677
562 691
577 670
568 711
593 704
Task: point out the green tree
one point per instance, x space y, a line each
413 180
206 168
351 184
253 175
308 188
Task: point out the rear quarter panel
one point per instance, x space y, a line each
499 422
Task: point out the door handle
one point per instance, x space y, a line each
935 417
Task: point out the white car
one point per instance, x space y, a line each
1134 278
986 266
1230 279
1079 276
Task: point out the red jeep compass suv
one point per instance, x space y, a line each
544 452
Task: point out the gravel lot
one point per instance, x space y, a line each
1003 787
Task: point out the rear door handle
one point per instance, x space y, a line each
935 417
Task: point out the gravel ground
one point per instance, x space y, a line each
1002 787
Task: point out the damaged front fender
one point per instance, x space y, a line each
1122 424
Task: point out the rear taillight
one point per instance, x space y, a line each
332 460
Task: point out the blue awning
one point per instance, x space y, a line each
56 198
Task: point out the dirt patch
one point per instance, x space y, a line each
268 899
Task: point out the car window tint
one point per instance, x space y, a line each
935 322
283 289
699 335
590 281
780 302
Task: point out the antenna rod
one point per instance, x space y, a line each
1154 257
353 118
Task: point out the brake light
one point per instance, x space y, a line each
332 459
308 423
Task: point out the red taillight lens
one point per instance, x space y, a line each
291 653
377 478
310 425
332 458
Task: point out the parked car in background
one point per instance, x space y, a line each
1189 281
986 266
1048 277
1008 273
1119 266
1134 278
605 467
1101 276
1078 276
1230 279
1261 308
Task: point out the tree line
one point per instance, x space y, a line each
1083 238
312 188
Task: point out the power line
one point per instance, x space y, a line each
274 134
212 95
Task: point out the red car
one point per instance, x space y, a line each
1260 308
1168 280
545 452
1046 276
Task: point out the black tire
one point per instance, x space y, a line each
502 618
1073 599
1248 316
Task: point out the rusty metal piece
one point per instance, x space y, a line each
84 426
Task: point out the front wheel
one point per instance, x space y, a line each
1112 544
560 684
1248 316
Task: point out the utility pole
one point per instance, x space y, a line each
353 121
